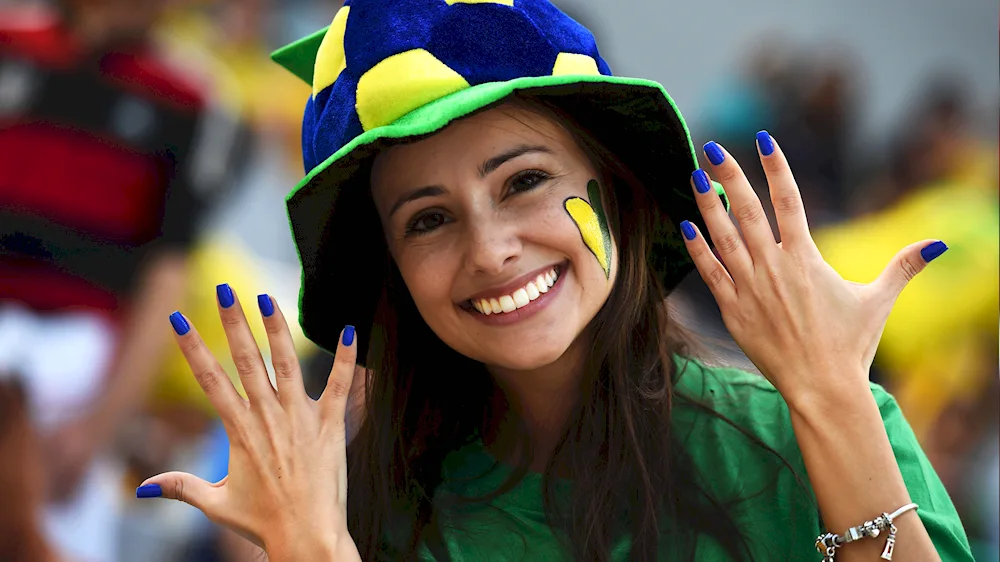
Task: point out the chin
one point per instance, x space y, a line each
528 359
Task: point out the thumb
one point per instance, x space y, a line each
910 261
183 487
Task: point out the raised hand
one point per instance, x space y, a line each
789 311
286 489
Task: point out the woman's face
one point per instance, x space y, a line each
491 226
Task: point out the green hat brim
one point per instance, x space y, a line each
339 234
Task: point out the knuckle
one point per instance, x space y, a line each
178 491
908 270
788 204
209 379
749 214
726 172
285 367
232 319
273 328
338 388
728 243
716 277
245 362
773 164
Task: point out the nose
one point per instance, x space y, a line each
491 245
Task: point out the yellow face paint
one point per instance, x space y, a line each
593 224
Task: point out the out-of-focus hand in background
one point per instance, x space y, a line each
138 134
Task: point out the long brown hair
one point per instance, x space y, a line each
425 400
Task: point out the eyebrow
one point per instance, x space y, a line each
485 169
493 163
429 191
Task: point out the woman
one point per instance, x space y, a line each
507 218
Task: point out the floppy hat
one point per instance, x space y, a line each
390 71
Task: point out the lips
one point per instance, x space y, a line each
508 300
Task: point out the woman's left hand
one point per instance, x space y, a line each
808 330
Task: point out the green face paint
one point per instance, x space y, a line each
593 224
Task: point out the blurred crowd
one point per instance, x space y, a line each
193 135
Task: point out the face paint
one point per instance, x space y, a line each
593 224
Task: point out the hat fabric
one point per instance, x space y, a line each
386 72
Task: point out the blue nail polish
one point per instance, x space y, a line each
179 323
348 338
765 144
701 181
149 491
933 250
265 305
714 153
225 294
688 229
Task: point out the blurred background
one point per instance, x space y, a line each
146 147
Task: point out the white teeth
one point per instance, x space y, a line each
541 285
531 290
521 299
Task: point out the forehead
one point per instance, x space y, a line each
470 140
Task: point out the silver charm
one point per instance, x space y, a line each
890 543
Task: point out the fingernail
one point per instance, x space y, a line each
688 229
348 338
933 250
264 303
701 181
179 323
149 491
764 143
714 153
225 294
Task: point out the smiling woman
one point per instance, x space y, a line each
502 220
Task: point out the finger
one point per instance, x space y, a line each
243 348
287 372
725 236
743 200
709 267
210 376
183 487
338 386
910 261
786 198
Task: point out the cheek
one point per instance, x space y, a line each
428 274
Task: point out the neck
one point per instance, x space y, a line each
537 401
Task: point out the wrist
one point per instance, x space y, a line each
828 392
298 547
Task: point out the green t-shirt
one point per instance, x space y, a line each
778 517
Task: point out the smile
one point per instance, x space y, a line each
519 302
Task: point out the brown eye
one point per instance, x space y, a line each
426 222
526 181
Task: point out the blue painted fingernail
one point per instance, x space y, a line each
348 338
179 323
714 153
149 491
701 181
764 143
225 294
933 250
688 229
265 305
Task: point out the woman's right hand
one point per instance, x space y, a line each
286 490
